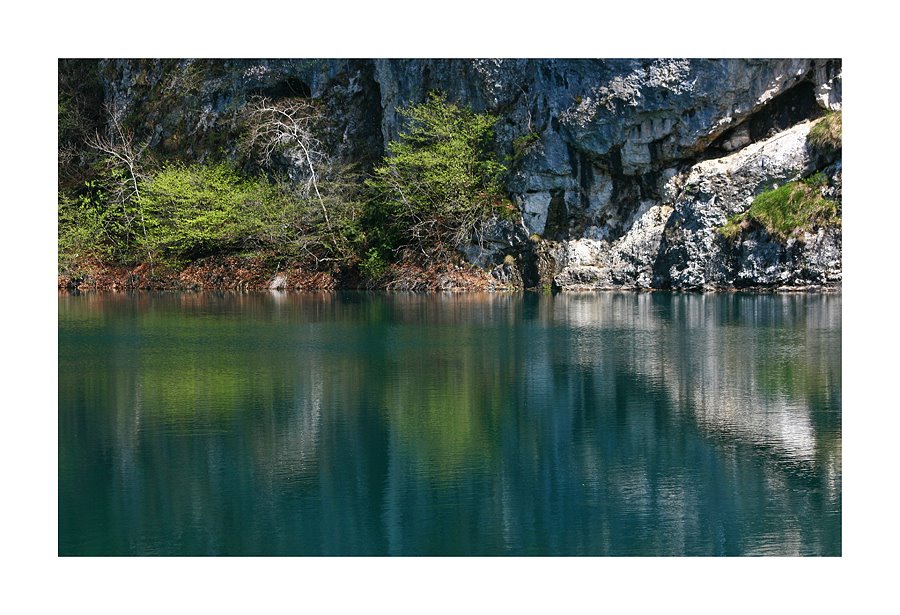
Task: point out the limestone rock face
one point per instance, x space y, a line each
627 261
694 255
813 261
628 169
191 106
676 244
665 233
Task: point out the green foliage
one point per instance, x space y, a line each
182 212
79 101
825 135
523 143
323 226
373 264
435 190
733 228
66 117
439 183
788 210
80 231
198 209
194 210
94 222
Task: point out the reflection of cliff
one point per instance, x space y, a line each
753 373
295 445
745 366
595 392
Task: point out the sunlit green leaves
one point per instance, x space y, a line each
197 209
440 181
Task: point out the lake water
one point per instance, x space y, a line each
379 424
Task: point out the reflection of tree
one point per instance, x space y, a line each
446 417
296 445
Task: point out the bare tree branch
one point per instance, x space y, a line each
124 153
285 127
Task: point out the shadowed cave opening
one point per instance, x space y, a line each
291 87
785 110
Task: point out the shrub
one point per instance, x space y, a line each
182 212
93 222
80 231
292 220
373 265
199 209
523 143
440 182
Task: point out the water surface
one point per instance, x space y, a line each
371 424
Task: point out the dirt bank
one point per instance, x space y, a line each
254 273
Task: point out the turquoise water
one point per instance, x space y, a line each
374 424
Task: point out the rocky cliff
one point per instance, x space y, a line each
623 170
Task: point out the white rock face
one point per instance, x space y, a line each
589 264
534 207
695 255
676 243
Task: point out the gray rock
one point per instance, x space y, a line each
628 261
278 282
498 237
676 243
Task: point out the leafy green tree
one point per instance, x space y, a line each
439 183
194 210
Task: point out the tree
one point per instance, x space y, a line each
439 183
122 172
285 128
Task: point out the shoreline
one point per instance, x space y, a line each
252 274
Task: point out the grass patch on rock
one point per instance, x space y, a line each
825 135
787 211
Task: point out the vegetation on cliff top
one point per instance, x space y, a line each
798 206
